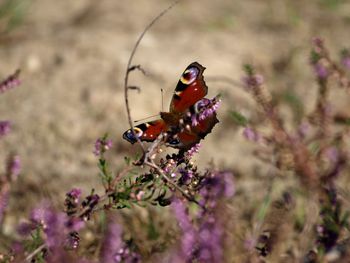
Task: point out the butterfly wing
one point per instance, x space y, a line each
188 138
147 131
190 88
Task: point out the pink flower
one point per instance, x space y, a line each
5 128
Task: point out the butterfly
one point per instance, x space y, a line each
186 119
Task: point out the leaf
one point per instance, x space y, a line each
295 103
127 160
264 208
152 231
238 118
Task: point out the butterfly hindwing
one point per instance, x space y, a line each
190 88
147 131
188 138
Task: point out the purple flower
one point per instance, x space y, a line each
4 198
346 62
74 223
193 150
89 204
75 193
317 41
25 228
210 241
111 243
72 240
332 154
320 70
13 167
251 135
303 129
114 250
202 236
5 128
208 108
10 82
204 109
53 224
345 58
229 188
186 175
181 215
251 81
102 145
188 240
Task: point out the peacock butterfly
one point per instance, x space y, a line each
190 118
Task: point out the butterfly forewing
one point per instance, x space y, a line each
190 88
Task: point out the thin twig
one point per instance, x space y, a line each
147 154
35 252
129 68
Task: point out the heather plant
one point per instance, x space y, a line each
314 151
13 163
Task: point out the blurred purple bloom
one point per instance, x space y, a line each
332 154
74 223
53 224
345 58
250 81
202 240
5 128
210 240
320 70
317 41
10 82
303 129
202 243
215 186
346 62
188 240
102 145
229 189
114 250
111 244
25 228
4 198
181 214
60 231
13 167
251 135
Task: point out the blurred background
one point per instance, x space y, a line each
73 56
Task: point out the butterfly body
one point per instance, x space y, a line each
187 103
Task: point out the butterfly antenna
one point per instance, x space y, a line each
161 91
143 119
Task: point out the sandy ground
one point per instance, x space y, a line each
73 56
